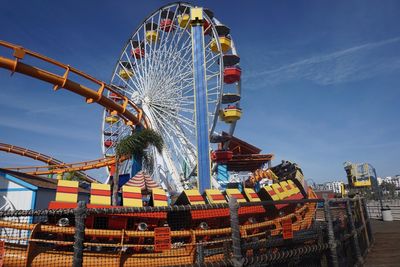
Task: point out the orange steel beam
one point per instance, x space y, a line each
92 95
36 156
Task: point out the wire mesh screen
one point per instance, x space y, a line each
284 233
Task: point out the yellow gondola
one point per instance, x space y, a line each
226 44
230 114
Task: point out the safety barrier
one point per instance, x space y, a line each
374 208
339 235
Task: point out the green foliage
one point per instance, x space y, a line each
136 143
73 176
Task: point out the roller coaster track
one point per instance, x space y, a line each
123 110
37 156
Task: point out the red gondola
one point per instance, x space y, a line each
232 74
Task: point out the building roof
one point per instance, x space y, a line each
38 181
238 146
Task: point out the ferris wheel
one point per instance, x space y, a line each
155 71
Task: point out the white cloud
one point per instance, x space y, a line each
352 64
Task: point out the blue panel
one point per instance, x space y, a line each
223 175
19 181
201 109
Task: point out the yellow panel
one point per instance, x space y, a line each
274 196
249 192
225 44
100 186
68 183
132 202
100 200
67 197
159 203
232 192
213 192
294 186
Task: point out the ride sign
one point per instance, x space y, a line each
287 229
162 239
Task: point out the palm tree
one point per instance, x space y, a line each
134 145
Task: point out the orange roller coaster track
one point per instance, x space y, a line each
36 156
123 110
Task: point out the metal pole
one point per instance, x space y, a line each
378 190
331 235
200 100
235 228
354 234
80 215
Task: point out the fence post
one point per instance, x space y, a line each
356 244
80 215
363 221
200 254
235 228
331 235
367 220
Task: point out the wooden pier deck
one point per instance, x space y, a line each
386 249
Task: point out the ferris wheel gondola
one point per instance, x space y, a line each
155 71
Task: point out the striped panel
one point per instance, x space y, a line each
287 189
194 197
235 193
100 194
251 195
131 196
143 181
271 192
278 189
67 191
159 197
215 196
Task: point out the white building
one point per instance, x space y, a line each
335 186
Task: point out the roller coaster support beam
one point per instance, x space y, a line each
201 108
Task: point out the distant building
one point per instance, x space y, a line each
335 186
395 180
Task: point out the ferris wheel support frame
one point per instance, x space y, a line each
200 101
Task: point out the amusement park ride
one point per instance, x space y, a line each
179 75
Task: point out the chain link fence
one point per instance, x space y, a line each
308 232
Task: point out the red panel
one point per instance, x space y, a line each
99 192
251 210
67 189
53 205
237 196
162 239
132 195
217 197
271 192
253 195
195 198
160 197
211 213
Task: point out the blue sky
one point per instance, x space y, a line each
321 79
